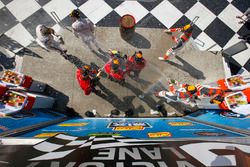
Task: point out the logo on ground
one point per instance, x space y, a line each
74 124
180 123
159 134
127 126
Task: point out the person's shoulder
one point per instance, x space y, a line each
87 20
38 27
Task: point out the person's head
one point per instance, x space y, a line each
85 71
44 30
191 89
89 114
218 99
115 112
129 112
138 57
115 64
75 14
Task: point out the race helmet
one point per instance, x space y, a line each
191 88
138 57
115 64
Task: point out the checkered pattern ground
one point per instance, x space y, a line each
62 145
216 28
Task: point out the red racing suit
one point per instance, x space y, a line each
132 65
119 75
180 94
87 84
184 37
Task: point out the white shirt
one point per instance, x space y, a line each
41 37
83 26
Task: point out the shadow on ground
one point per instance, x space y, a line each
122 105
16 48
193 72
102 55
61 100
75 60
6 63
138 41
28 52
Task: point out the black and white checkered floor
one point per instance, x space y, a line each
216 29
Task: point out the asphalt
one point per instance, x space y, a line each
189 66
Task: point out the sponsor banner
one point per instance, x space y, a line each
159 134
180 123
74 124
66 150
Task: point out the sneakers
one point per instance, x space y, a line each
163 58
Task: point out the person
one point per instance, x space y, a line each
49 39
87 80
89 114
184 37
245 17
129 113
83 28
207 91
135 64
114 113
185 93
114 70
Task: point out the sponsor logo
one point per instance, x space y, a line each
210 134
64 150
45 135
159 134
180 123
127 126
124 128
74 124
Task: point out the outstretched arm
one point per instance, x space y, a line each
173 30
